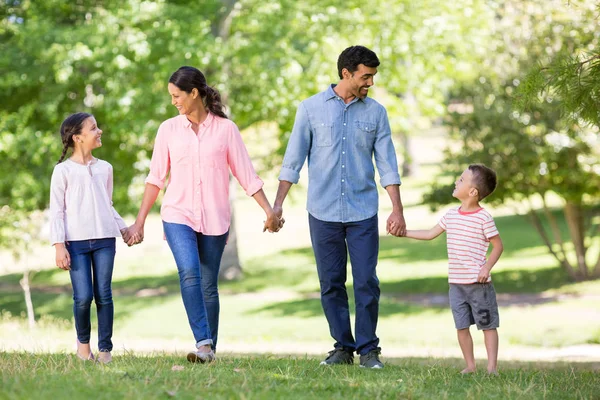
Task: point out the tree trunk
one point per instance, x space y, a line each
28 302
575 222
230 263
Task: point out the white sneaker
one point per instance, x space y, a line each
201 356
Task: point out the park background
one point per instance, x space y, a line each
514 84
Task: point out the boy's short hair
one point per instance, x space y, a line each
484 180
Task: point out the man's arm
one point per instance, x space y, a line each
282 191
396 225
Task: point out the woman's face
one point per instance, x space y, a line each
184 102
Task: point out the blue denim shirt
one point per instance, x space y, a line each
340 141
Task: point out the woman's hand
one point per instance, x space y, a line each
63 258
273 223
136 234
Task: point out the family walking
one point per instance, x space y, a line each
339 131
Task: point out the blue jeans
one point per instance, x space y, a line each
198 258
331 242
92 263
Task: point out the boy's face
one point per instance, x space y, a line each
463 187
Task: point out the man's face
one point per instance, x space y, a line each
361 80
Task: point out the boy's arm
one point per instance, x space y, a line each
425 235
497 248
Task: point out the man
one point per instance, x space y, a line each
340 130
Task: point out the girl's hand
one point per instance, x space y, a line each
136 234
63 258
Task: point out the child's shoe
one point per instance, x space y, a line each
104 357
89 357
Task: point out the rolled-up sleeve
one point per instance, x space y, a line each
297 148
385 154
240 163
58 187
159 164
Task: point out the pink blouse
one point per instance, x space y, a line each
197 194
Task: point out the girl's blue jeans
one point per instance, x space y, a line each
92 263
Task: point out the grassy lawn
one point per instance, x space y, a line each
52 376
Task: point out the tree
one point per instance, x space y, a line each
537 152
572 76
112 58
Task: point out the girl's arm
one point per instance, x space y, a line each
58 189
425 235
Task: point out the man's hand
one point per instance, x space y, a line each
396 224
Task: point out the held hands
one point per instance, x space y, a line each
63 258
134 234
274 220
396 224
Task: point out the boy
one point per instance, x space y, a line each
469 231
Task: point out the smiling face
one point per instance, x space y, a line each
184 102
91 135
360 80
463 187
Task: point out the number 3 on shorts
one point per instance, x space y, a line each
485 317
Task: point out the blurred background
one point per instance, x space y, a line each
514 84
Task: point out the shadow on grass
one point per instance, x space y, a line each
310 306
56 300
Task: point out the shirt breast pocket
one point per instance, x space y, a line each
323 135
364 133
214 156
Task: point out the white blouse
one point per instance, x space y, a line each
81 202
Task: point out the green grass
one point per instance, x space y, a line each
53 376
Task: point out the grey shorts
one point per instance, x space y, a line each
474 304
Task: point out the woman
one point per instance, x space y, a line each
198 148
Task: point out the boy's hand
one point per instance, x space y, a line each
484 274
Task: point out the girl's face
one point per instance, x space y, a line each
184 102
90 137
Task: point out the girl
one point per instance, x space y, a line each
83 227
197 149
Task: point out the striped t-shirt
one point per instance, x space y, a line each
468 237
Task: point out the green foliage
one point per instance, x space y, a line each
113 58
536 150
571 74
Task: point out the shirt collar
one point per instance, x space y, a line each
331 94
205 124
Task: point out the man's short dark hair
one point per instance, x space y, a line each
355 55
484 180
